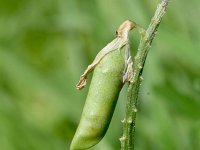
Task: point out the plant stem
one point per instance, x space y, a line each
127 140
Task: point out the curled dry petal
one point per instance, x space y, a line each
116 44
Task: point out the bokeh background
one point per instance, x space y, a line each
46 44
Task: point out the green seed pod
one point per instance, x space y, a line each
101 100
107 81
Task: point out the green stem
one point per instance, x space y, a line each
127 140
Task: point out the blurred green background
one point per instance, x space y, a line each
46 44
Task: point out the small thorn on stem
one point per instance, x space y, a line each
141 78
130 120
122 139
123 121
135 110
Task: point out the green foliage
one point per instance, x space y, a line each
46 45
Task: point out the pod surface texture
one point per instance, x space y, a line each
103 93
